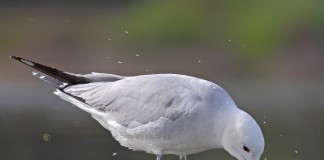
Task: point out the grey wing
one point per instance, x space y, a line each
137 100
102 77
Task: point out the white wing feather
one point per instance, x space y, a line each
141 99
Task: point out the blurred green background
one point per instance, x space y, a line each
269 55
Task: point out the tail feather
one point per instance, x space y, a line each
54 76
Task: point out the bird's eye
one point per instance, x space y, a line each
246 149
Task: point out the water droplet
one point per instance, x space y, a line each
109 39
229 40
243 44
296 151
199 61
280 135
109 57
264 122
137 55
147 70
114 154
120 62
126 32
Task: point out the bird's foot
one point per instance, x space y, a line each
183 157
159 157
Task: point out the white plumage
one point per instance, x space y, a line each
160 113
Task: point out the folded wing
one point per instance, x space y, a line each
140 99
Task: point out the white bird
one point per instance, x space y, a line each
160 113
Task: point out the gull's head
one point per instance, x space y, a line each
243 138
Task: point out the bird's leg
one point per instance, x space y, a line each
159 157
183 157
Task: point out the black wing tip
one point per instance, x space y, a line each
22 60
53 72
15 57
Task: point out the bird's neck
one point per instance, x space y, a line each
224 124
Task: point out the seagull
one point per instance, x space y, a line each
160 113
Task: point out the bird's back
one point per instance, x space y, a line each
143 99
